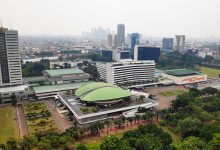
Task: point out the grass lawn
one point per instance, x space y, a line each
171 93
39 124
8 124
213 73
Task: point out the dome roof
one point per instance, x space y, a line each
100 91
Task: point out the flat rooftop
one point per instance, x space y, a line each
60 72
58 87
13 88
182 72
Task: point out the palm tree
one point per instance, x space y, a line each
137 117
130 119
107 122
81 132
123 119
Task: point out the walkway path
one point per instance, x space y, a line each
21 121
61 122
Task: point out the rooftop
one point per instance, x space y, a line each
58 87
100 91
59 72
13 88
182 72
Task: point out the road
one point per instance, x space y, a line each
61 121
22 121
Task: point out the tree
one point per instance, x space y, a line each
189 126
2 146
214 144
209 91
28 143
81 132
81 147
148 142
113 143
12 144
13 100
130 119
193 143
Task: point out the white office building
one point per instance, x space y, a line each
10 63
127 71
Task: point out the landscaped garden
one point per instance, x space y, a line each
8 124
39 118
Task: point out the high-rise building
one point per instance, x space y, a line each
109 40
142 52
167 44
10 63
115 41
134 39
120 35
126 71
180 43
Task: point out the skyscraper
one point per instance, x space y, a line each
109 40
180 43
167 44
10 64
120 35
134 39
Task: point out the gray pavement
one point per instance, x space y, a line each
61 121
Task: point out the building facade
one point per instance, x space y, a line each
120 35
109 41
167 44
142 52
134 39
10 63
63 76
126 72
180 43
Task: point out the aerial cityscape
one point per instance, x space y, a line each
110 75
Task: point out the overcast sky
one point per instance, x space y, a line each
197 18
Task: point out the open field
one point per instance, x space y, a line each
212 73
8 124
39 118
172 93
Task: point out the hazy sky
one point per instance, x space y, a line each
197 18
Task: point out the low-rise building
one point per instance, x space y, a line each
99 101
184 76
127 71
63 76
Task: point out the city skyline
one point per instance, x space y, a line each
197 18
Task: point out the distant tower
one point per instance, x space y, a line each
167 44
10 63
115 40
180 43
134 39
109 40
120 35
